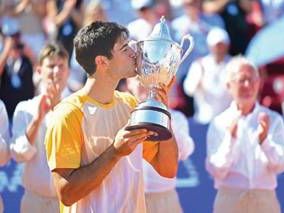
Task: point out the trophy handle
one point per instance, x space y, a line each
189 49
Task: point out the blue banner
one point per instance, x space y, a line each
194 185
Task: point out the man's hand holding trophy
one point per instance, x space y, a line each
158 58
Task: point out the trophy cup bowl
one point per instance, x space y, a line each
158 58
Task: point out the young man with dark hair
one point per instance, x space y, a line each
29 127
95 162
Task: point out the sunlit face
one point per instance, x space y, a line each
123 62
55 70
244 85
220 49
192 7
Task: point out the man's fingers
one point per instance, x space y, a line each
138 141
171 83
263 120
162 94
134 141
138 132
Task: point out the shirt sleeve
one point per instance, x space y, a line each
181 132
21 149
128 98
273 147
220 155
64 138
4 135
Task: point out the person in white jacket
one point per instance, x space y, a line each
160 192
30 122
205 80
245 147
4 141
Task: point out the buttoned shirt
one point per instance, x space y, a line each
243 162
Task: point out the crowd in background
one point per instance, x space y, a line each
27 25
221 30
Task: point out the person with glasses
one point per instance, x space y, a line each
245 146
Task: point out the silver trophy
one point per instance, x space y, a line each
158 60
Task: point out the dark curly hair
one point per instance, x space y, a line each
98 38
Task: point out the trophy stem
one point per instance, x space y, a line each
152 92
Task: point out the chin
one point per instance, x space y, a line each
248 100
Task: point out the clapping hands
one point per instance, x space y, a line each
263 126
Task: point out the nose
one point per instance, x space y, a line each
132 53
246 83
58 70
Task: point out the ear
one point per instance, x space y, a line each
38 70
101 61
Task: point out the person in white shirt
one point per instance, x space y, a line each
4 141
141 27
160 192
205 80
196 23
245 147
30 121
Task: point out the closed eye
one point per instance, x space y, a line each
124 47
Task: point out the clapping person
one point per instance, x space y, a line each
30 122
245 146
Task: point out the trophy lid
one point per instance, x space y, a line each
160 31
158 44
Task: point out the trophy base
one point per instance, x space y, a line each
162 132
153 116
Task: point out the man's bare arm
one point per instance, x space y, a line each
165 161
74 184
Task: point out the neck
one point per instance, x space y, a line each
102 90
245 109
